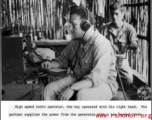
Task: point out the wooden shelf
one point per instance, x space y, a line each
51 42
136 4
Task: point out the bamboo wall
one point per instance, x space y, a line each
43 17
137 14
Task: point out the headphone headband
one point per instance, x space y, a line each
85 10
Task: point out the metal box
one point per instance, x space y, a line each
12 59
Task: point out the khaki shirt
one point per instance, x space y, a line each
121 41
95 60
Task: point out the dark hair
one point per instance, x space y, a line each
117 5
83 13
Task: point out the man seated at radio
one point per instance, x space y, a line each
91 59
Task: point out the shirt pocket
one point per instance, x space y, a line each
86 65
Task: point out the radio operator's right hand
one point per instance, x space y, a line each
47 65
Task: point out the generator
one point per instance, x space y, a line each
12 59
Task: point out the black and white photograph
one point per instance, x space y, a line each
75 50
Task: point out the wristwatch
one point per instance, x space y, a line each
72 88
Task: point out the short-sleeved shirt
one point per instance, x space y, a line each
122 40
94 61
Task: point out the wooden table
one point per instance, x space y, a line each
56 45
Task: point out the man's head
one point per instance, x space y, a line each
81 20
117 12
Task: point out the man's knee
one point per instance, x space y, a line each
126 76
85 94
50 86
82 94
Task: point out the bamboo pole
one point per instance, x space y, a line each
18 17
49 19
10 11
29 9
39 20
61 20
19 14
41 17
3 14
48 3
35 18
23 17
6 12
45 18
52 20
13 16
32 18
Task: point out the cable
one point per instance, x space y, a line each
35 65
76 54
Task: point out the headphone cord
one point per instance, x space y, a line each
76 53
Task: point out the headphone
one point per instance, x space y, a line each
85 24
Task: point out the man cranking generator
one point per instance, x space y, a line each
123 36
